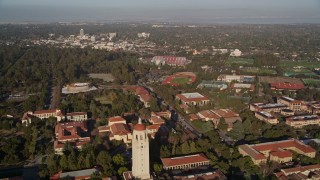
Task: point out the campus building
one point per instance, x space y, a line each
41 114
267 107
278 151
286 86
300 121
292 104
267 117
77 116
76 133
215 116
193 99
185 162
238 87
300 172
207 175
142 93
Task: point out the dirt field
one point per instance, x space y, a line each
267 79
104 77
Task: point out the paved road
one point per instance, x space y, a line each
185 123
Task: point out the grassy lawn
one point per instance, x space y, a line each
103 99
311 82
260 71
180 80
240 61
203 126
290 64
304 72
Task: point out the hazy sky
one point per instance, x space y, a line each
219 11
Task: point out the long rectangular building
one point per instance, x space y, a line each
300 121
185 162
267 107
277 151
300 172
267 117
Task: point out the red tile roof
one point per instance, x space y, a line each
281 153
76 113
146 97
153 127
176 161
139 127
273 146
119 129
116 119
289 86
157 120
301 169
46 111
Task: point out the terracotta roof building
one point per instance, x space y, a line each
300 172
208 175
157 120
287 86
142 93
116 120
163 114
41 114
76 133
185 162
277 151
215 116
192 99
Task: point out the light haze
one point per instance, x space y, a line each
184 11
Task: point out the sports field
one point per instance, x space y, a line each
311 82
260 71
240 61
181 80
290 64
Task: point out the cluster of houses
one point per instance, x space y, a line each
297 113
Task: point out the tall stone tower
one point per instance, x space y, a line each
81 32
140 152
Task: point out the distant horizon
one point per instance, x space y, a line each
175 11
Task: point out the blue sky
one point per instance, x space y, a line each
301 11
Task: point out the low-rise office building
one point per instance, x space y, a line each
292 104
277 151
75 133
300 172
185 162
267 117
267 107
300 121
194 99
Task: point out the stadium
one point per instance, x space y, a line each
180 78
